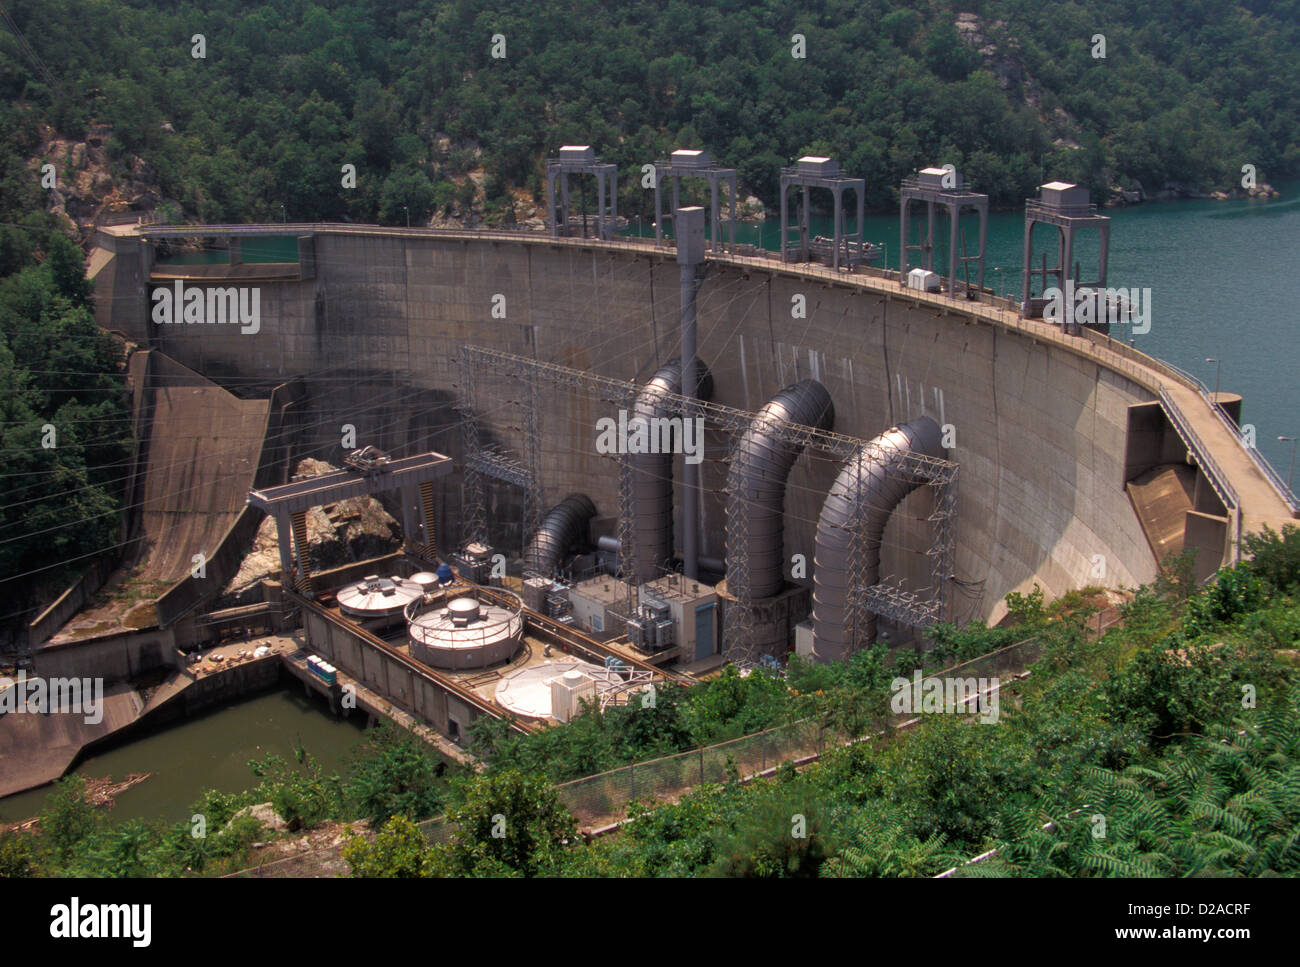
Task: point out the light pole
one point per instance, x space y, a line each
1001 280
408 216
1217 366
1291 440
284 216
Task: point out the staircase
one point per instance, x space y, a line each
302 583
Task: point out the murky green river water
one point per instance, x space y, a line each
211 750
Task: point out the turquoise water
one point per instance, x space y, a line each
1224 279
277 248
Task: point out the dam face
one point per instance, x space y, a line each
1039 431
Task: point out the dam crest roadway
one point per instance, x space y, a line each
1251 497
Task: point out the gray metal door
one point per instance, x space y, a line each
704 631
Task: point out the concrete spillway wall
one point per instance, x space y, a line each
1039 432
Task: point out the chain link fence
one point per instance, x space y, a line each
602 799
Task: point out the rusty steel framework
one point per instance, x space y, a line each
626 525
738 629
915 608
485 460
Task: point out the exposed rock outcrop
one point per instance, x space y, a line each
89 184
339 533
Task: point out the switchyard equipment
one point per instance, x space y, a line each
691 611
1068 208
651 628
474 563
847 248
942 188
548 597
693 163
558 605
533 593
580 159
919 608
461 628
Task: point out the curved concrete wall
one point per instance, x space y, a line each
1038 431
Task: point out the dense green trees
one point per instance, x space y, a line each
507 824
291 90
398 849
394 773
849 697
64 422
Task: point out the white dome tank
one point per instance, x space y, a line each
427 580
374 597
532 691
467 630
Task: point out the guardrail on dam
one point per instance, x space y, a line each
1040 419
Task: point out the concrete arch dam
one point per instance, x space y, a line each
1080 458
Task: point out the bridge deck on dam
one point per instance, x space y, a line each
1217 447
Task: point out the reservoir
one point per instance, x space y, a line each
1224 280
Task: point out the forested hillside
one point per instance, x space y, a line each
289 91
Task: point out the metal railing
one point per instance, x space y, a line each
1218 480
1037 206
1261 462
